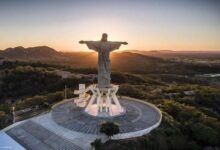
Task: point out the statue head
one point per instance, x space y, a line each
104 37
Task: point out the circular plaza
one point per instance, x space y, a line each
139 118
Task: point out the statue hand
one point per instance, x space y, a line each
125 43
81 42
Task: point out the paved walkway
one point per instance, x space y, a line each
35 137
81 139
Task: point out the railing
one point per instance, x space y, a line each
62 102
140 132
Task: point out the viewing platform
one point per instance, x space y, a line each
67 126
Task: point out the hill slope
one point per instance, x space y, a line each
31 53
124 61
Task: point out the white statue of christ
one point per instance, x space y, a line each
103 47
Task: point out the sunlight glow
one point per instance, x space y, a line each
145 25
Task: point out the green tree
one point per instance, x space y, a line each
31 102
132 91
97 144
2 119
5 119
28 81
55 97
109 128
204 134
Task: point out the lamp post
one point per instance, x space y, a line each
13 113
65 93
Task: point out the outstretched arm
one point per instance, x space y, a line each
93 45
124 43
82 42
116 45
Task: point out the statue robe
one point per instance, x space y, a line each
103 49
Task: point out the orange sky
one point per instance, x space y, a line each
145 25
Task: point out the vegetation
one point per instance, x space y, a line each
109 128
185 125
5 115
190 104
40 101
32 80
97 144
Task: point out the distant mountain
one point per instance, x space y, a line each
167 54
31 53
127 61
124 61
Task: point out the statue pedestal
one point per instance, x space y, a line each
103 102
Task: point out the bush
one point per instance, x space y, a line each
55 97
2 119
131 91
28 81
205 134
5 119
31 102
97 144
109 128
121 78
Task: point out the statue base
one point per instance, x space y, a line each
103 102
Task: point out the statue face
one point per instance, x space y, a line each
104 37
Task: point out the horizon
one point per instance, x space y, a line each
145 25
120 50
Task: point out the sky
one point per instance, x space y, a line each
144 24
